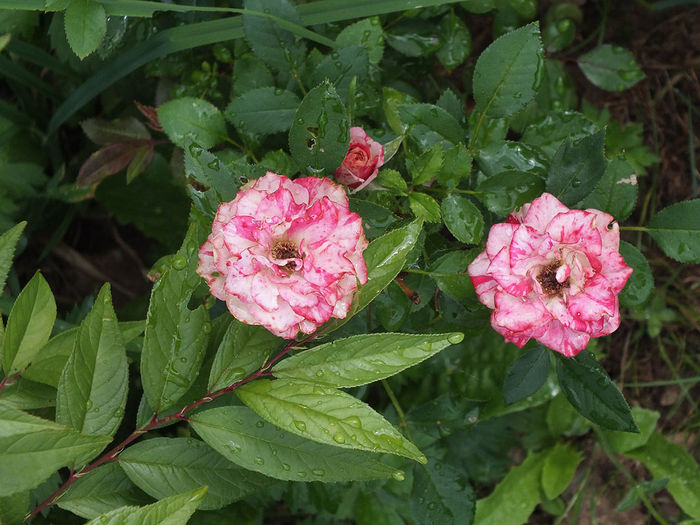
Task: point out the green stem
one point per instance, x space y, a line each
634 228
397 406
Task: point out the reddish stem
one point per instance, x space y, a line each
7 381
112 454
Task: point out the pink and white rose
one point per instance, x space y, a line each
362 161
552 273
285 254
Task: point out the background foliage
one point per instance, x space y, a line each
123 125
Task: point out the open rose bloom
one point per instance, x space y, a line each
362 162
553 274
285 254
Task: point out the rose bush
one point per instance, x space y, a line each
362 162
285 254
552 274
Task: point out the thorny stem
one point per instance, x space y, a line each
113 453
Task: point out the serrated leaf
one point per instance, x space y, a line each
616 191
427 165
263 111
441 495
456 41
632 498
29 325
376 219
385 257
163 467
392 180
103 489
676 229
509 72
462 218
325 415
320 134
449 272
276 46
506 155
640 284
105 132
362 359
367 33
524 480
8 243
509 190
665 459
86 25
592 393
431 124
190 119
31 449
243 350
457 166
424 206
249 72
176 337
609 67
576 168
559 468
452 104
175 510
341 67
526 375
94 383
554 128
241 437
207 169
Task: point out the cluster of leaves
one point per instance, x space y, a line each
467 139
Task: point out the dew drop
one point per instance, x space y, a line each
318 472
206 328
455 338
179 262
576 183
88 404
398 475
260 424
319 373
339 438
301 474
285 466
259 461
432 505
183 359
195 150
300 425
353 421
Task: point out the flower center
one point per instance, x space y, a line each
548 279
285 250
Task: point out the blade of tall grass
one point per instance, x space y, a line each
37 56
207 33
13 71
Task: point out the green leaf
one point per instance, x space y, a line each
668 460
86 26
362 359
463 219
431 124
612 68
449 272
103 489
592 393
276 46
508 73
94 383
175 510
426 167
107 161
29 325
263 111
509 190
341 67
392 307
106 132
623 442
31 449
632 498
249 72
559 468
457 166
320 134
506 155
241 437
424 206
441 495
576 168
8 243
558 125
325 415
176 337
163 467
501 506
616 191
456 41
24 394
385 258
376 219
190 119
367 33
640 284
676 229
526 375
13 509
392 180
243 350
206 168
